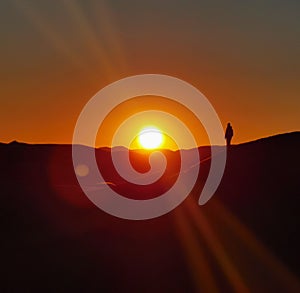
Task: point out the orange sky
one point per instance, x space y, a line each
55 56
140 104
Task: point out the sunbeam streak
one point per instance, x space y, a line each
203 226
239 254
195 256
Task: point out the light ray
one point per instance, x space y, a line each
54 39
196 258
89 37
204 228
280 274
245 261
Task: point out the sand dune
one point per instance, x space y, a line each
244 239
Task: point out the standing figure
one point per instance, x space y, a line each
228 134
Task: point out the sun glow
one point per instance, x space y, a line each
150 138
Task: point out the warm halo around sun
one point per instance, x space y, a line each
150 138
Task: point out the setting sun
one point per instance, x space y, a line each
150 138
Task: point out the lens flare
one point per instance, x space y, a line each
96 110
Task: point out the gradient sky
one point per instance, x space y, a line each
55 55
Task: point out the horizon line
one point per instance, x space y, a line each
145 150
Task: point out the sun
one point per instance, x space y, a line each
150 138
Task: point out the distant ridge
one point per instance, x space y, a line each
277 137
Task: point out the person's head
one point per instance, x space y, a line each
228 124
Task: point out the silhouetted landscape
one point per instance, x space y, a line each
245 238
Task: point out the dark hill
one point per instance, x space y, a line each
245 238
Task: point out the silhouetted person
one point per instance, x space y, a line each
228 134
